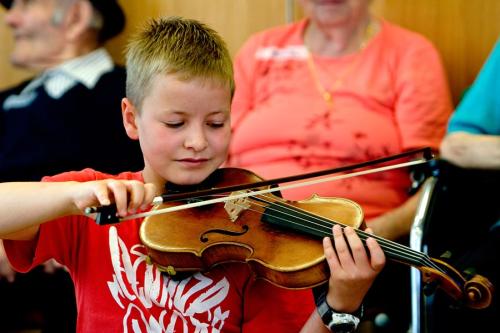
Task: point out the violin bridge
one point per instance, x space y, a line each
235 207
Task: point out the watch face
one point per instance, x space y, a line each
335 321
343 323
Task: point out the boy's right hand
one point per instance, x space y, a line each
129 196
51 200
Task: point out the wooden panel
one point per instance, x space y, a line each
8 74
225 16
235 20
464 31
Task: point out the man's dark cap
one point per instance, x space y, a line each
112 15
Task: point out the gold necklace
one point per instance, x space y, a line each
328 94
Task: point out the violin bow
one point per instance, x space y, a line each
107 214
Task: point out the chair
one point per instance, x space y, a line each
456 211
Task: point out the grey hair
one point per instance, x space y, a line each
96 21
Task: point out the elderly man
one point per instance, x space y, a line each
44 124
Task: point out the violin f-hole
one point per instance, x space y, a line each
204 236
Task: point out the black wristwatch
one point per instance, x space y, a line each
335 321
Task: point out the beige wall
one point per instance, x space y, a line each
234 19
464 31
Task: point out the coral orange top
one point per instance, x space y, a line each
387 98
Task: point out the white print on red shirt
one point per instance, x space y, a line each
156 303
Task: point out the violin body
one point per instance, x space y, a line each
279 239
199 238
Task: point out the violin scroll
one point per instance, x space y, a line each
478 292
475 293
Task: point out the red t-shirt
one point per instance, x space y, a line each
117 291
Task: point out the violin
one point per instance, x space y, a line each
280 239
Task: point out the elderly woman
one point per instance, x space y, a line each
335 88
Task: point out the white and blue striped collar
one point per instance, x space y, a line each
86 70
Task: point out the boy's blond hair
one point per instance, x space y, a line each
184 47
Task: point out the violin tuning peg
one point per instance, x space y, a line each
446 255
469 273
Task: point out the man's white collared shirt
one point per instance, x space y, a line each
86 70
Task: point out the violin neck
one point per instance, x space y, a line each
398 252
279 214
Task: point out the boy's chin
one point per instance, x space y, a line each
194 178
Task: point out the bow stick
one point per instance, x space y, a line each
107 214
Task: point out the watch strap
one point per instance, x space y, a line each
336 321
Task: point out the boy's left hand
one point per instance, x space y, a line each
352 269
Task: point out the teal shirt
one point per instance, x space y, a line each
479 111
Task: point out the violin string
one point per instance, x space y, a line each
323 225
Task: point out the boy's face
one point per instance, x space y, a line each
183 128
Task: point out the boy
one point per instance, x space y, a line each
179 88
